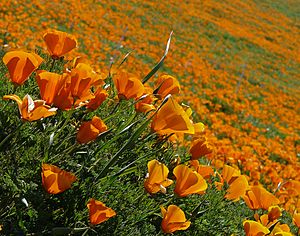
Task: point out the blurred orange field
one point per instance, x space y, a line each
238 63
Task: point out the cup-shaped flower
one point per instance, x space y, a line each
56 180
171 118
90 130
49 84
156 179
31 110
128 85
237 188
199 148
167 84
205 171
188 181
296 219
59 43
99 212
258 197
253 228
173 219
20 65
144 104
82 79
100 96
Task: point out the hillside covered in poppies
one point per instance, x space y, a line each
143 118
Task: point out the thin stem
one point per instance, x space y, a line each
11 134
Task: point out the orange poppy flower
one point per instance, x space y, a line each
258 197
145 104
82 79
56 180
156 179
188 181
63 98
21 64
237 188
99 212
128 86
296 220
173 219
49 84
171 118
205 171
59 43
167 84
90 130
100 96
32 110
199 148
253 228
270 219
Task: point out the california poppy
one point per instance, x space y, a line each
171 118
100 96
237 188
238 184
82 79
99 212
144 104
128 85
21 64
296 220
49 84
90 130
270 219
205 171
258 197
188 181
253 228
199 148
32 110
156 179
173 219
59 43
167 84
56 180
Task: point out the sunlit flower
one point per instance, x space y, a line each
59 43
205 171
253 228
188 181
100 96
171 118
173 219
56 180
296 220
99 212
128 86
156 179
199 148
90 130
258 197
20 65
167 84
32 110
49 84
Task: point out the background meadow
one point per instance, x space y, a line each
238 65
